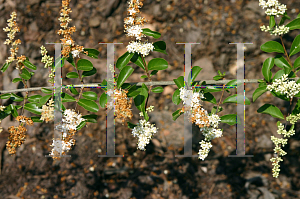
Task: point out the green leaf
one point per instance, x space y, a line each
230 119
258 92
46 91
70 60
195 71
272 21
217 77
93 53
34 98
157 90
16 80
88 105
103 100
271 110
234 83
284 17
16 98
74 91
84 64
28 64
90 95
5 67
137 59
237 98
140 99
209 98
72 75
33 108
89 73
153 72
144 76
124 60
278 75
295 24
43 100
295 48
179 81
124 74
133 93
212 89
297 62
65 97
272 46
130 125
176 114
36 119
281 62
266 69
90 118
13 110
176 97
296 110
126 86
5 96
157 64
31 73
160 46
81 125
25 74
214 109
148 32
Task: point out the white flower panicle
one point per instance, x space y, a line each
277 31
60 146
144 131
133 27
48 111
285 87
273 7
207 123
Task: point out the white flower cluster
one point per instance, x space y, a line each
290 88
46 59
75 53
144 131
274 7
149 109
59 146
70 121
140 48
192 99
277 31
293 118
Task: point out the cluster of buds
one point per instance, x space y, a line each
17 135
133 28
48 61
285 87
208 124
68 42
68 129
1 109
121 103
280 30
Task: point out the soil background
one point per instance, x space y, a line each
156 172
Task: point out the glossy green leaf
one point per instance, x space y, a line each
16 80
16 98
176 97
34 98
29 65
137 59
266 69
258 92
84 64
124 60
33 108
153 72
272 46
179 81
157 90
90 95
295 24
88 105
234 84
297 62
148 32
296 110
131 125
103 100
212 89
271 110
89 73
195 71
74 91
65 97
281 62
13 110
278 75
36 119
144 76
90 118
81 125
272 21
157 64
93 53
160 46
214 109
72 75
140 99
43 100
295 48
46 91
70 59
230 119
25 74
124 74
237 98
209 98
217 77
5 67
5 96
176 114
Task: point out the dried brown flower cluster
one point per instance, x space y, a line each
132 10
68 42
17 134
198 113
122 105
12 28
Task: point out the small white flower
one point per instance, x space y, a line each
75 53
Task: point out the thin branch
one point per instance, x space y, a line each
153 83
